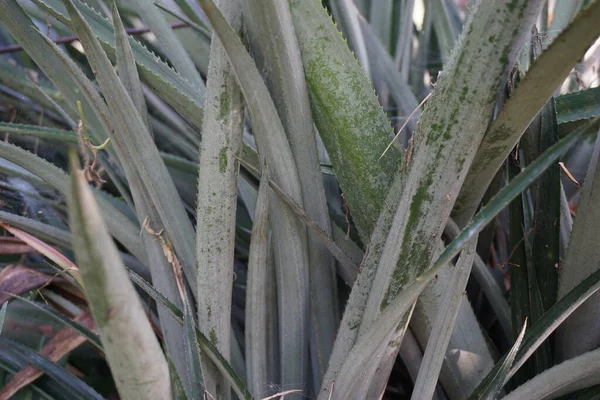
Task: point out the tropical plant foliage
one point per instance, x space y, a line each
264 198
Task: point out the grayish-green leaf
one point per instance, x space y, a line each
509 193
411 354
216 202
41 132
348 18
380 18
437 346
520 302
256 295
16 78
126 66
374 341
348 268
133 352
383 64
404 41
42 231
467 357
566 223
489 285
445 29
82 330
147 176
20 26
545 197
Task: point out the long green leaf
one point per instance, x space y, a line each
520 302
20 26
383 64
65 136
541 134
589 393
380 18
532 92
445 27
133 352
574 374
41 132
38 229
22 29
373 342
380 332
289 236
404 40
196 44
466 340
16 78
340 251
